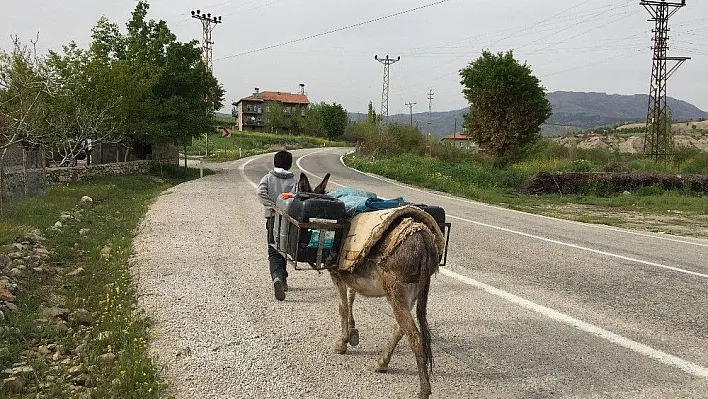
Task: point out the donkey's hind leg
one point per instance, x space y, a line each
353 332
399 296
385 357
394 338
340 346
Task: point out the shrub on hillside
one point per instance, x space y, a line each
394 139
616 167
408 138
579 165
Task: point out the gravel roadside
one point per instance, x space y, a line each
202 276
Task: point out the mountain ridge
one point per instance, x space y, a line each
572 111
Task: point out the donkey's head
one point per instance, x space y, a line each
303 185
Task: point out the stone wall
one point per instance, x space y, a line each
59 175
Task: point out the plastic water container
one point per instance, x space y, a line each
280 226
319 206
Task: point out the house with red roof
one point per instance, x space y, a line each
460 140
251 112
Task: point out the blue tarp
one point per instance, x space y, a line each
357 201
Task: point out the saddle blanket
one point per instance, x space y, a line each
366 229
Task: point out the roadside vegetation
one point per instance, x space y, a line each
76 329
508 159
245 144
493 180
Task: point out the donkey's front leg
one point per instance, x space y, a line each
340 346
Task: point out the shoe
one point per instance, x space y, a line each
285 286
279 289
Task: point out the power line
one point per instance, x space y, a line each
336 30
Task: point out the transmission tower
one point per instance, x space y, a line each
208 25
658 142
430 112
384 93
410 105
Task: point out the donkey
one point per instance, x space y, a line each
403 278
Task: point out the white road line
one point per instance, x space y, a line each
242 169
597 226
310 173
663 357
566 244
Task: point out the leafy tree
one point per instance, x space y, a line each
84 110
274 114
294 121
334 120
326 120
167 93
507 103
24 86
314 124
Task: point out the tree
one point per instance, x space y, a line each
84 110
507 103
168 95
314 125
334 120
24 85
274 114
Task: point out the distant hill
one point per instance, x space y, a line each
222 115
572 111
589 110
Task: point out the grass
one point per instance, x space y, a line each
495 184
244 144
105 288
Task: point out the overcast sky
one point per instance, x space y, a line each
591 45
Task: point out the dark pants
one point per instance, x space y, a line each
276 260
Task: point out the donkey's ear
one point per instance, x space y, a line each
321 188
303 185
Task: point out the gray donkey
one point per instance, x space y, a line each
403 277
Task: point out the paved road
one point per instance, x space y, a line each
528 306
531 306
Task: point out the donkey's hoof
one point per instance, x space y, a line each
382 368
422 395
340 348
353 337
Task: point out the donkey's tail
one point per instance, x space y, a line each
428 267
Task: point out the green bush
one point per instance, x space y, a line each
616 166
407 137
579 165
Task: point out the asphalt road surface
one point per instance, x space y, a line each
527 307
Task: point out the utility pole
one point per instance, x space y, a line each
207 22
208 25
410 105
658 142
384 93
430 112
